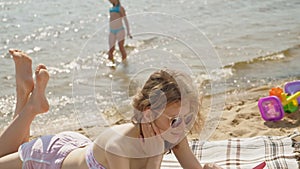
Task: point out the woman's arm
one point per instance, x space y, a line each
187 159
123 15
154 162
185 155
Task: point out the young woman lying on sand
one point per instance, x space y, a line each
164 108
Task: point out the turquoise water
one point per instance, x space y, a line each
228 45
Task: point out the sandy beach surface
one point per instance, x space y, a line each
241 117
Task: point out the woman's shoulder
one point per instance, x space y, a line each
123 129
115 133
114 139
122 9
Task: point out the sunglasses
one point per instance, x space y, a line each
176 121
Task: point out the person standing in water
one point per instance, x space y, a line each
116 29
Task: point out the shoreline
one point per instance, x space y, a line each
240 118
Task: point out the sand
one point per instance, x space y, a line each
241 117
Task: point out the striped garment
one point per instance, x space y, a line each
245 153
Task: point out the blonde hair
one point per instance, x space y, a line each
164 87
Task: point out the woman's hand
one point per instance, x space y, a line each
129 35
153 143
150 130
211 166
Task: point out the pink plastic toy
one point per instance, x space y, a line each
270 108
260 166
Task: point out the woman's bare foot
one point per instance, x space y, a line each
17 131
38 101
24 80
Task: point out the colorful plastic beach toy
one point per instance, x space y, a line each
276 91
270 108
273 107
292 88
260 166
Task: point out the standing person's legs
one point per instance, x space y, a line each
121 42
13 136
122 49
111 43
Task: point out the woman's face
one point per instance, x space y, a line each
172 122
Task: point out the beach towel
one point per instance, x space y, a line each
278 152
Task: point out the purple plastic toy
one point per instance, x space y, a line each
292 88
271 108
